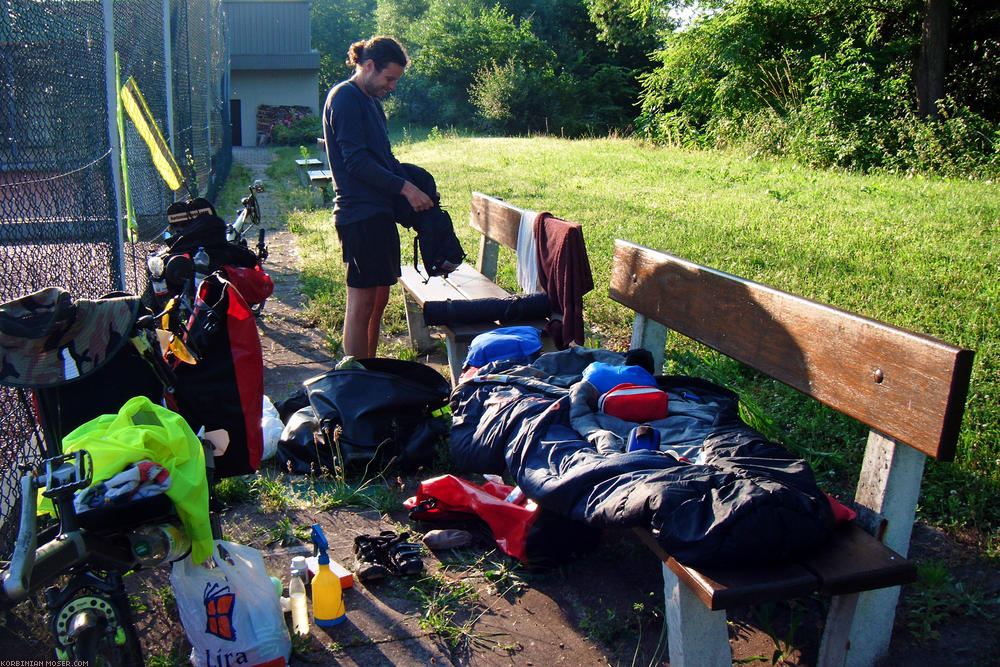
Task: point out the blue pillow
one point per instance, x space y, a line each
503 344
606 377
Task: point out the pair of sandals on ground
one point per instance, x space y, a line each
387 553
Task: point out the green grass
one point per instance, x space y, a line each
915 252
938 596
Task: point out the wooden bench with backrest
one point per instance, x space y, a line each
498 223
316 173
910 389
306 165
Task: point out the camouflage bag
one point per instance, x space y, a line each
48 339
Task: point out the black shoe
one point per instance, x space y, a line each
373 561
405 556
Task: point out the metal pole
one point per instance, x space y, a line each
114 142
168 74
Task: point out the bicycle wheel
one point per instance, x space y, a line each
96 630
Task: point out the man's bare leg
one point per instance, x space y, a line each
360 305
375 321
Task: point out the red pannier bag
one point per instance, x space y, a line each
634 403
225 389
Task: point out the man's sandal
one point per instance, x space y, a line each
371 552
405 556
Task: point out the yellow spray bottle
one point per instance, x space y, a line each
327 595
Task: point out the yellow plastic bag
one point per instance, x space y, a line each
143 430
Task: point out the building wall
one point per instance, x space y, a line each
276 88
268 26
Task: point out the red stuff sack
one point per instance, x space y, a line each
449 497
529 533
634 403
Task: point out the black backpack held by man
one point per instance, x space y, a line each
436 241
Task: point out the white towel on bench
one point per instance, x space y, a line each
527 258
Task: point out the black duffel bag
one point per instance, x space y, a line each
383 412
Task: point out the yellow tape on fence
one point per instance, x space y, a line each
138 111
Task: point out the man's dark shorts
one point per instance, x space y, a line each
371 251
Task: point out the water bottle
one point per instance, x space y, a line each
300 568
297 600
155 266
161 543
643 437
201 262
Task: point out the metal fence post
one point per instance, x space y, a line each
168 76
114 141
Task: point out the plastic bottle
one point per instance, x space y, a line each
201 266
155 266
298 604
328 598
643 437
300 569
161 543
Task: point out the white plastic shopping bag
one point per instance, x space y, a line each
271 426
231 612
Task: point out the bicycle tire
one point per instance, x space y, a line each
107 638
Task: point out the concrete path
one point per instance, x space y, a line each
294 349
378 630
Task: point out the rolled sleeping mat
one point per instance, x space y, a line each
514 308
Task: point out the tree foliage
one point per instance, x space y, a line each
334 26
832 82
512 66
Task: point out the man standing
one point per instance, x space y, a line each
367 177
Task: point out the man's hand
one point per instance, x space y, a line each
418 198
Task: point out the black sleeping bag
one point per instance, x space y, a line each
745 501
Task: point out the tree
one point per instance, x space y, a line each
931 65
335 25
449 45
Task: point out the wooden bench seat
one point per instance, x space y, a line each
854 562
319 177
304 165
910 389
462 284
498 223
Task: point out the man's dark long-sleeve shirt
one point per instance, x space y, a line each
366 175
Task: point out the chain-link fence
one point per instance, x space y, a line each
61 199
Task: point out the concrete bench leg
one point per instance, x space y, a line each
420 336
697 636
859 626
457 351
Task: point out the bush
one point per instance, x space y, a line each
300 131
514 99
959 143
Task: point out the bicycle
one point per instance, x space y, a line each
247 217
80 558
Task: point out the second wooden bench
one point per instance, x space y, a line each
910 389
497 223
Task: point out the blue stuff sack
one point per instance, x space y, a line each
506 343
606 377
